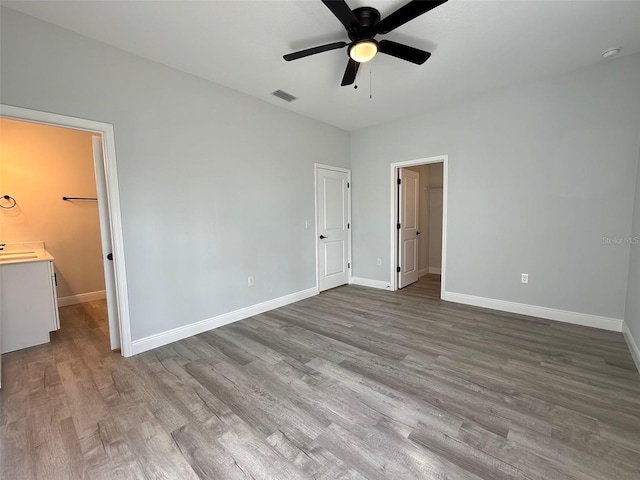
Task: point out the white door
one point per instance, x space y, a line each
408 196
105 233
332 219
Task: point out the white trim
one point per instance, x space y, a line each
111 173
170 336
633 346
584 319
316 166
81 298
444 159
367 282
424 271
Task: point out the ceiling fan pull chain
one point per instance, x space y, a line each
370 91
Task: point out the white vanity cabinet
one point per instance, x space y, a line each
28 304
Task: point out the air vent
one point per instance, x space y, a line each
287 97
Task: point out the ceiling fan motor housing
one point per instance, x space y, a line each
368 17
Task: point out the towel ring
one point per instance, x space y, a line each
9 199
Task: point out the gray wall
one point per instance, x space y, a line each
539 174
215 185
632 314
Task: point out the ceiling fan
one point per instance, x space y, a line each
362 25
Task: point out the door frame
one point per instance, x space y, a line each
105 130
316 166
444 159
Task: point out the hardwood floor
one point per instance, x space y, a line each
427 286
354 383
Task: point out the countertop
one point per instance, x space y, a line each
24 252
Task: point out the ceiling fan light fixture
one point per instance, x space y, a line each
363 51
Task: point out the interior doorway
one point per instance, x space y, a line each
418 228
58 175
102 160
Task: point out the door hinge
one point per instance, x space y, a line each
348 225
398 226
348 265
399 182
348 185
398 269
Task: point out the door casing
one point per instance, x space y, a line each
393 178
317 166
111 184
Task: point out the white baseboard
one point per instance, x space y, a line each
81 298
367 282
170 336
584 319
424 271
633 346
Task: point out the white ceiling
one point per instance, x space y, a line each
477 46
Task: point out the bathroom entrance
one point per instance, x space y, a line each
59 182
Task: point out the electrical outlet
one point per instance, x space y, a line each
379 262
524 278
250 281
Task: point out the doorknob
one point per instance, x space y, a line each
417 233
322 237
110 256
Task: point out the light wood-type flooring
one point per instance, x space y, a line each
355 383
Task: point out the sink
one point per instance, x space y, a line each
10 257
4 253
23 252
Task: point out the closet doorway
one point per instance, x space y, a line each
418 227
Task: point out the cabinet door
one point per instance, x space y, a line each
25 305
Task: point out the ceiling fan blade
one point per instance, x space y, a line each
350 73
342 12
312 51
405 52
408 12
